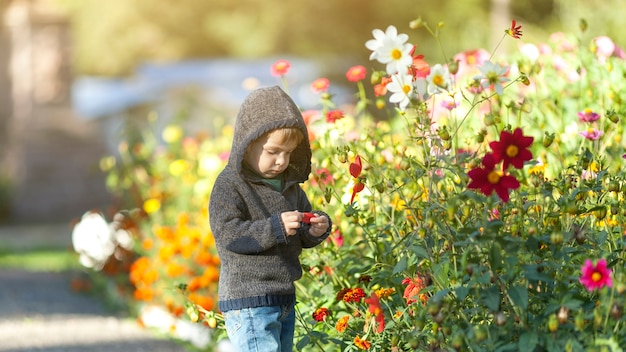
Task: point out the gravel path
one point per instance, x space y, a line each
39 312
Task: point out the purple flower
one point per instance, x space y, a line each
588 115
591 134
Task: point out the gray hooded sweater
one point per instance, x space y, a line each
259 263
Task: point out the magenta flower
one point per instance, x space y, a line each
595 276
588 115
592 134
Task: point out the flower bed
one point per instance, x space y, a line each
482 209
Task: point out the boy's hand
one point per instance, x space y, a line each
291 221
319 225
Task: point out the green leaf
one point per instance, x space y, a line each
495 258
519 297
401 265
491 298
528 341
305 341
461 292
419 251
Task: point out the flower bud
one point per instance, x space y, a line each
597 318
563 315
616 311
489 119
443 133
525 80
375 78
579 321
480 333
417 23
600 212
556 238
612 115
193 313
500 318
583 25
453 67
553 323
613 186
380 103
548 139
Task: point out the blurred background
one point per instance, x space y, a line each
75 74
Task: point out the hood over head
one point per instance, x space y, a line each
267 109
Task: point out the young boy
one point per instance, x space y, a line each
261 219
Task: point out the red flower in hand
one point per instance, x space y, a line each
306 217
487 179
374 307
512 149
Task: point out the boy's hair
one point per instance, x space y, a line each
288 135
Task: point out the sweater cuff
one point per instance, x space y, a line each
278 228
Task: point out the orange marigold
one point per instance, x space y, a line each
353 295
361 343
342 323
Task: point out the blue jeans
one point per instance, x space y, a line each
261 329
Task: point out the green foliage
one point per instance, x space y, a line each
494 275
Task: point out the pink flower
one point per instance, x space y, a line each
320 85
333 115
592 134
323 176
356 73
588 115
280 68
595 276
604 47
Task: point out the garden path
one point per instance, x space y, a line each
40 312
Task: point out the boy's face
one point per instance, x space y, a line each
269 155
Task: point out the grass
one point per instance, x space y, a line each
56 260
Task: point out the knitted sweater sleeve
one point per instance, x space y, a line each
231 224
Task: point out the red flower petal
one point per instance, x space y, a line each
356 167
306 217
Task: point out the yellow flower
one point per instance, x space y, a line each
398 204
151 205
537 169
177 167
383 293
172 134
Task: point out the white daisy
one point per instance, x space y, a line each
492 76
401 87
439 79
391 49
